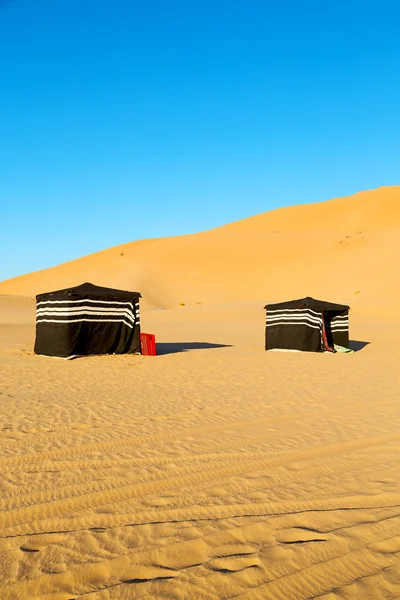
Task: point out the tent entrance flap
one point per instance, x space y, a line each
327 344
337 328
306 324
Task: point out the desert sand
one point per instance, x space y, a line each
214 470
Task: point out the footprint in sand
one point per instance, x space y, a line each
38 543
234 564
299 536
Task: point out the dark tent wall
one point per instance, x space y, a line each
306 324
86 320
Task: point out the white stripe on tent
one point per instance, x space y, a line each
86 320
84 300
297 314
297 310
76 309
293 318
94 308
94 318
301 323
283 318
96 313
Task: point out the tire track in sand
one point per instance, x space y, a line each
100 498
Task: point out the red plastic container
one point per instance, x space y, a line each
148 344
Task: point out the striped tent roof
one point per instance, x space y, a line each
308 302
89 290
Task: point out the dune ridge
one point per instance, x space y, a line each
338 247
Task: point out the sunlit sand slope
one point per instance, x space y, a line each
331 249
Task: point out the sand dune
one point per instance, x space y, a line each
332 248
214 470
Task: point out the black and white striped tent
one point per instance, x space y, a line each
307 324
87 319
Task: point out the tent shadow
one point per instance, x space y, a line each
357 345
174 347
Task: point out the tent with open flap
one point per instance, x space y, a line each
307 325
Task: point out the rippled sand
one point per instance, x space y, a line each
214 470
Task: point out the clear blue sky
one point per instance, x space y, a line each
125 120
